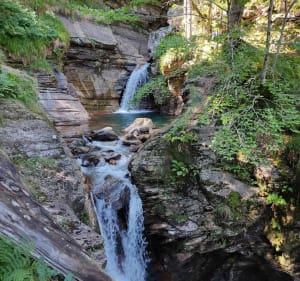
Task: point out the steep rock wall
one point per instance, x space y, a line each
200 221
100 59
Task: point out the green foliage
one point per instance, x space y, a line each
243 173
173 49
35 163
16 263
252 118
293 150
108 16
157 88
276 199
24 35
20 88
173 41
223 213
179 168
234 200
180 133
144 2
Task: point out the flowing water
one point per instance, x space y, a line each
120 215
136 80
117 203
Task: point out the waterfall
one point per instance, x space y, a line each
124 248
120 216
136 80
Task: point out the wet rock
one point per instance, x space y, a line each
21 216
140 125
111 156
105 134
132 142
90 160
134 148
80 150
114 191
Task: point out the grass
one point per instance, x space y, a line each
19 86
26 36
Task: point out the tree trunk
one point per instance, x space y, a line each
268 39
279 42
188 18
235 12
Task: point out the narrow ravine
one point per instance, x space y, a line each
117 203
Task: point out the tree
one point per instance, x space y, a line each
268 39
188 18
287 10
234 13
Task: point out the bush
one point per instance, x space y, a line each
24 35
19 87
157 88
16 263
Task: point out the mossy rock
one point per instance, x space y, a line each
234 200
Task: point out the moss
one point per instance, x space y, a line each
223 214
234 200
179 218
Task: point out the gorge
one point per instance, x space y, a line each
104 192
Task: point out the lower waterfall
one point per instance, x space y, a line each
120 216
124 248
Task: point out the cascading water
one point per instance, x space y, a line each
136 80
120 215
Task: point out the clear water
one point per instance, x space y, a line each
119 121
121 227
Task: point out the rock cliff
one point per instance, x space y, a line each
100 59
200 221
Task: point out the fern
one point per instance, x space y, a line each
16 263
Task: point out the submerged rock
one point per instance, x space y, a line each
89 161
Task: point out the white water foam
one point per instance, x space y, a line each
124 243
136 80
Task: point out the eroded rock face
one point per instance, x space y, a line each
22 217
204 211
45 166
100 59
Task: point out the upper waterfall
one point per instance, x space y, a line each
137 79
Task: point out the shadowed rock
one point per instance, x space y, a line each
21 217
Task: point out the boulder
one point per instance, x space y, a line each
105 134
114 191
111 156
89 161
141 125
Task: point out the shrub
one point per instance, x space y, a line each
16 263
24 35
157 88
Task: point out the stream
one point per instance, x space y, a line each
117 203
